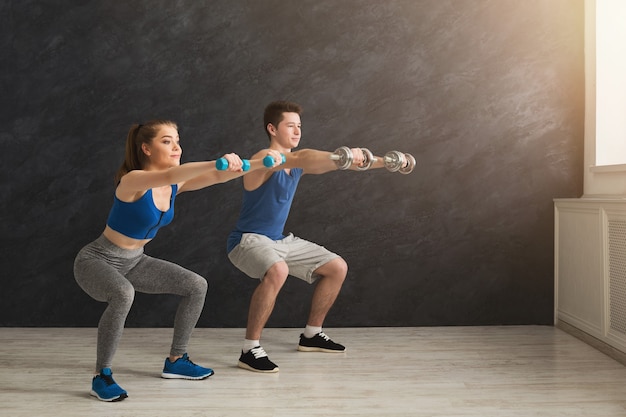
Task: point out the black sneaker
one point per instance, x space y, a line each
319 343
256 360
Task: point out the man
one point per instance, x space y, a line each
258 247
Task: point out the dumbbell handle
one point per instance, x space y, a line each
222 163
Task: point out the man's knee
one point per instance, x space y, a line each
337 269
342 267
276 275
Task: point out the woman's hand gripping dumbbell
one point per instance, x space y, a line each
403 163
271 160
345 157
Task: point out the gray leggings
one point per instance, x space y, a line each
112 274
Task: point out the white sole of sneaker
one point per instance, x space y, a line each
249 368
318 349
110 400
192 378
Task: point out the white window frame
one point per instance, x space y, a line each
600 181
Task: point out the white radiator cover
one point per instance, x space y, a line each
590 267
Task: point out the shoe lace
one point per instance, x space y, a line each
324 336
188 361
108 379
258 352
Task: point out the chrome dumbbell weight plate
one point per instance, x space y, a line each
410 164
342 157
394 160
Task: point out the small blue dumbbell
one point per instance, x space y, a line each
268 161
222 163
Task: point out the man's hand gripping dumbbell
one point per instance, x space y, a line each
359 158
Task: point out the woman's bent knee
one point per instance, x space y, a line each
194 284
124 295
201 285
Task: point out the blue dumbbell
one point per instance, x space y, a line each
268 161
222 163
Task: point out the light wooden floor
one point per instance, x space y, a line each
435 371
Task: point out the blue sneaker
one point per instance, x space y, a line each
105 388
184 368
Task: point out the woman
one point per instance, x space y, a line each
114 266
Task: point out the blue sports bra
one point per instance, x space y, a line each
140 219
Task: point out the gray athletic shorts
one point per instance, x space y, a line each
255 254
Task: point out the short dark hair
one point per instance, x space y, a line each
274 113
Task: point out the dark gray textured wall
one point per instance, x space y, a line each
487 95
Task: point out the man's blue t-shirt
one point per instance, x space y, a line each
264 210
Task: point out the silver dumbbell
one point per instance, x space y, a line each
343 158
398 161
